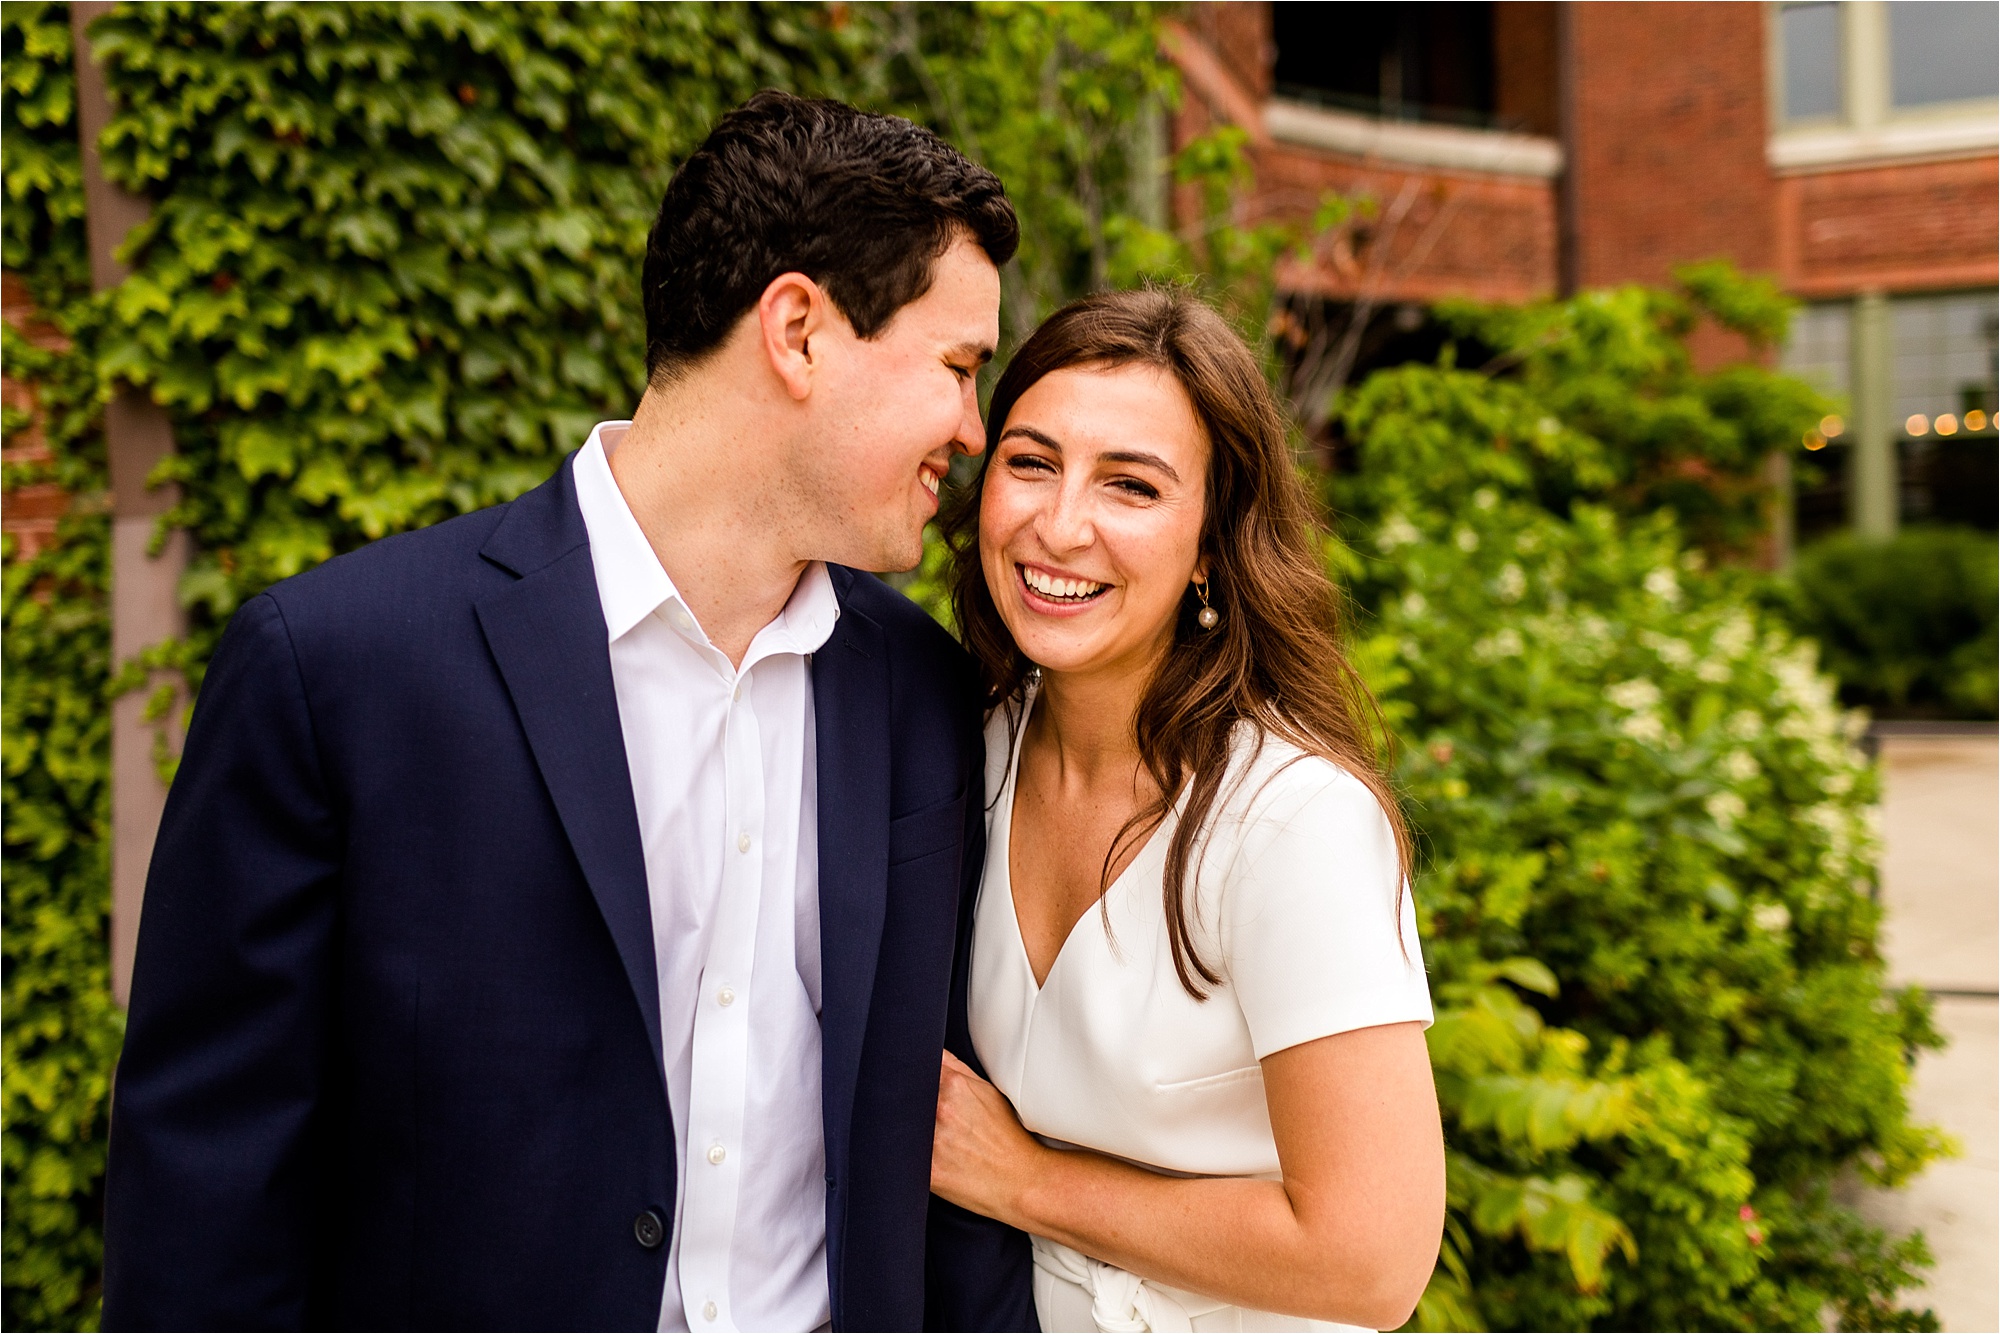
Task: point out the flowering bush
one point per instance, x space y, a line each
1649 851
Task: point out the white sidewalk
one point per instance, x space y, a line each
1941 884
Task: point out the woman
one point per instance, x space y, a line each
1195 983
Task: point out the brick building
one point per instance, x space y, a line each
1524 149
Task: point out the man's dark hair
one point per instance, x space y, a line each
862 204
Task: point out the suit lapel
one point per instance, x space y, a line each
547 634
851 737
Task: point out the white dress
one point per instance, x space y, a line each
1296 906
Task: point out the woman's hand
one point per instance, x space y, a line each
981 1158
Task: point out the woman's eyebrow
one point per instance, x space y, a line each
1142 458
1039 437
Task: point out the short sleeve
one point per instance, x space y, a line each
1316 939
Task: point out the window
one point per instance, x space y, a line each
1810 35
1942 372
1942 51
1859 64
1819 351
1400 61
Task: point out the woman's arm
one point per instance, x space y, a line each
1350 1234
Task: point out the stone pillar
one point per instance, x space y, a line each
145 603
1873 499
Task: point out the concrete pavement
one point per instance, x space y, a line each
1941 885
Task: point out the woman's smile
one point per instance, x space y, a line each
1055 594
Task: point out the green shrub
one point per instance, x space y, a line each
1663 1026
1906 624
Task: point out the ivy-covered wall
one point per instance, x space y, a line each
61 1029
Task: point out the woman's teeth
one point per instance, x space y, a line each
1061 590
930 480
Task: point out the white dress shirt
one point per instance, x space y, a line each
722 760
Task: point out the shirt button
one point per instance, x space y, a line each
716 1153
681 618
743 841
726 996
738 692
708 1311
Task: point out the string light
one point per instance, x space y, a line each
1975 420
1831 425
1814 440
1947 425
1917 424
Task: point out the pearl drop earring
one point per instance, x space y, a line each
1207 617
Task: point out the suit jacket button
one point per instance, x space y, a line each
648 1230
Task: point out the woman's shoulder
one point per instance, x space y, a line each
1273 780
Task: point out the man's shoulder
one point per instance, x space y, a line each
395 579
907 626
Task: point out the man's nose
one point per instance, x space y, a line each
971 437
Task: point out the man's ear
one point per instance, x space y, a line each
792 313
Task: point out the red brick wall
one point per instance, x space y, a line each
28 514
1491 238
1897 228
1668 123
1239 32
1526 67
1466 234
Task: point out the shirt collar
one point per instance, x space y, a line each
632 584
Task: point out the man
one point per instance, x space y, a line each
558 911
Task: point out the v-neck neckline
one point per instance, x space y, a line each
1099 904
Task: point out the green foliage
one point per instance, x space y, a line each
62 1031
1907 624
1627 417
1639 805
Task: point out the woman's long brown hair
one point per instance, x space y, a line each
1273 660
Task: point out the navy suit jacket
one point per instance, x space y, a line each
393 1057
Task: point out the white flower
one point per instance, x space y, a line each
1839 783
1511 584
1414 605
1746 724
1466 539
1634 695
1673 652
1725 808
1734 637
1772 917
1528 543
1663 584
1485 497
1502 644
1644 727
1547 426
1397 531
